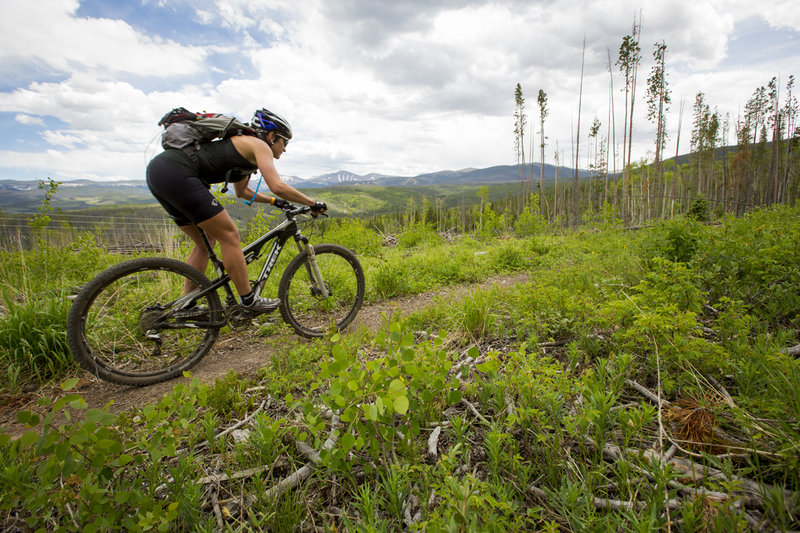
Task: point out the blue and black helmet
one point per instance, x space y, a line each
268 121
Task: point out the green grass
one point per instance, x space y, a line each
698 314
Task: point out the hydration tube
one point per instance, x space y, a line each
251 200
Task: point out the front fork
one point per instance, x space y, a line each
318 286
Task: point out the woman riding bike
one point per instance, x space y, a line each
181 185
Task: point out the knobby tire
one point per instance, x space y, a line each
121 327
302 305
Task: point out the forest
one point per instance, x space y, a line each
640 374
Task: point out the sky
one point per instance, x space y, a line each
398 87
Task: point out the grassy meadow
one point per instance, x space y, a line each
638 381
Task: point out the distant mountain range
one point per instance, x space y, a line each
25 196
467 176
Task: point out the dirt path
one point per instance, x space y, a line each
242 353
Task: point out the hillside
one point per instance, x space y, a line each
25 196
589 380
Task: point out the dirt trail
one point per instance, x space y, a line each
241 352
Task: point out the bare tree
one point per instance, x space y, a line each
612 133
628 61
658 100
520 122
775 119
595 164
699 135
755 109
677 178
556 162
576 216
790 112
542 101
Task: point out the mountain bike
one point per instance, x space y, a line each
150 319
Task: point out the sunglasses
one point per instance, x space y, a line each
285 140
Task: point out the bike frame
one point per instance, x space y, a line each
252 252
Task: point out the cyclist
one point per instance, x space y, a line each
180 181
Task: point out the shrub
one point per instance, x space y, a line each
227 397
755 259
355 235
33 341
88 475
390 279
417 235
675 240
699 210
508 257
530 222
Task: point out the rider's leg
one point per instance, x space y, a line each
222 228
198 257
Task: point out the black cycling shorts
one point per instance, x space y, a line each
185 197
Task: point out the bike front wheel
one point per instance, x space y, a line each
316 300
125 325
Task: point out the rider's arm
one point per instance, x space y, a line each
261 155
243 190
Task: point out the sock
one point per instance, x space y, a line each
247 299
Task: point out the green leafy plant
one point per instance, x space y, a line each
409 382
91 475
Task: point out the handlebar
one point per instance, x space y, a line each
292 211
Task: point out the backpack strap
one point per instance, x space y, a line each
231 172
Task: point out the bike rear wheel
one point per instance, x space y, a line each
125 327
303 304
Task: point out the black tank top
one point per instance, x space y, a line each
214 162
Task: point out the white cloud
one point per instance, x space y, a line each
397 87
49 33
783 15
75 164
29 120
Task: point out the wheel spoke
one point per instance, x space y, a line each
123 316
303 305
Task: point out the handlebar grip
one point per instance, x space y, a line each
280 203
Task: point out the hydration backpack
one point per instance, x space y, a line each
186 131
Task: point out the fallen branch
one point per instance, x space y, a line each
750 492
217 510
647 394
219 478
433 442
475 411
304 472
618 505
721 390
607 503
794 351
510 408
408 506
696 472
234 427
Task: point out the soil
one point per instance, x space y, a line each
241 352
